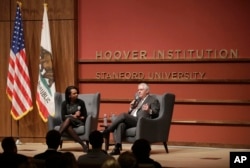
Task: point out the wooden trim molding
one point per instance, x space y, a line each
211 123
187 101
168 81
160 61
199 144
213 102
200 123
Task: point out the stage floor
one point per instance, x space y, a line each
178 156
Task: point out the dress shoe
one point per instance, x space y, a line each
85 148
105 132
61 142
115 151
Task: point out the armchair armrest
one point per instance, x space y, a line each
150 129
88 125
53 121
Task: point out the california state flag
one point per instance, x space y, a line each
46 83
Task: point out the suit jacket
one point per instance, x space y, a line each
154 105
12 160
94 156
48 153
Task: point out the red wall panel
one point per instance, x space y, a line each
222 94
163 24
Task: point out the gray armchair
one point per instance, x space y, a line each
157 129
92 102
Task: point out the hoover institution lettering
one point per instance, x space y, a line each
167 54
176 54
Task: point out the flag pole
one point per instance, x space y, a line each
18 141
46 83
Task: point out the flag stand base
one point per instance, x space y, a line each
18 142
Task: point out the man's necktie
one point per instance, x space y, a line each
134 111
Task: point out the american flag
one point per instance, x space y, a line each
18 80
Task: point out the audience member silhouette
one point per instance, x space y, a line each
127 160
10 158
54 161
141 149
111 163
95 155
29 164
53 139
69 160
65 160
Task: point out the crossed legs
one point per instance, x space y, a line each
118 126
127 119
67 127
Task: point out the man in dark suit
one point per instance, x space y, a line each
141 150
144 105
53 139
10 157
95 156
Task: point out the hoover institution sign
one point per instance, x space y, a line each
141 55
167 54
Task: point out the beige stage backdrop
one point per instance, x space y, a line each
198 50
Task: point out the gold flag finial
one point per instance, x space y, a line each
19 3
45 5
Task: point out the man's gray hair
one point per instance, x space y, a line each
145 86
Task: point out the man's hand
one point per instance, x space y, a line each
132 104
145 107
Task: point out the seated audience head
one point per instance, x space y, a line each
96 139
10 157
69 160
127 160
111 163
53 139
141 148
9 145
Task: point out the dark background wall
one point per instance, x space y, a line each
213 110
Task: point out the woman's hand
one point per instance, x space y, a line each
78 115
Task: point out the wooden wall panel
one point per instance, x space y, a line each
64 50
197 133
57 10
183 91
5 119
212 112
4 10
62 18
168 71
